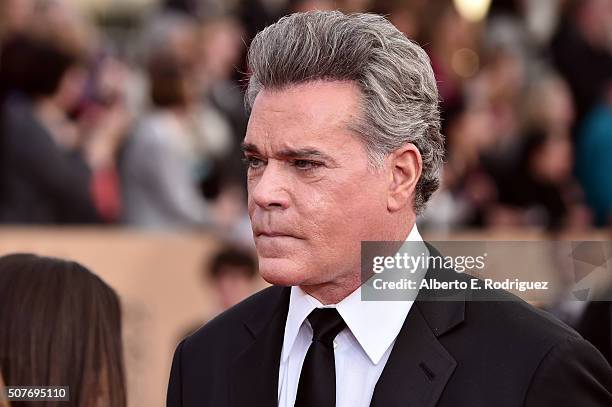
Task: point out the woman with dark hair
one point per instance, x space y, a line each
60 325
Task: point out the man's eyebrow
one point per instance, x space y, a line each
249 148
306 152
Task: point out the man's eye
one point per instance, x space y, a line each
306 165
253 162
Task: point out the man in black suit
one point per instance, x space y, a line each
344 146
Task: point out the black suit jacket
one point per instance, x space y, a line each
448 353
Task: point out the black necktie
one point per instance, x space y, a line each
317 386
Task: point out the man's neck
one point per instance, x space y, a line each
335 291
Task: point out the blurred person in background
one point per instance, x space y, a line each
55 168
548 105
15 15
445 35
540 189
501 84
594 163
221 46
233 273
162 161
60 325
467 190
582 51
536 186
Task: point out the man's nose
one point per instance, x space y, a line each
270 190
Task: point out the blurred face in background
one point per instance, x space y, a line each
507 76
233 285
552 161
550 105
221 49
595 21
15 14
312 196
71 87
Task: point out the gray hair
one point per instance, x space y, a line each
394 74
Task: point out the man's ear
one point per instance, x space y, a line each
405 166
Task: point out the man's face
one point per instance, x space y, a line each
312 197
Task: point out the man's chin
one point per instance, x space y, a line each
281 272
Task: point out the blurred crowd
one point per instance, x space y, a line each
134 115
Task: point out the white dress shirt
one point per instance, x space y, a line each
361 350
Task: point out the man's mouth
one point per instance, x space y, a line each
273 234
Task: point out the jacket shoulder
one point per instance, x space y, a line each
500 314
229 326
513 317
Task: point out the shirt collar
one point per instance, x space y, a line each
375 324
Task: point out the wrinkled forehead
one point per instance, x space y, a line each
321 112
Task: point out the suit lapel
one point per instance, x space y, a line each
417 370
419 366
254 373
